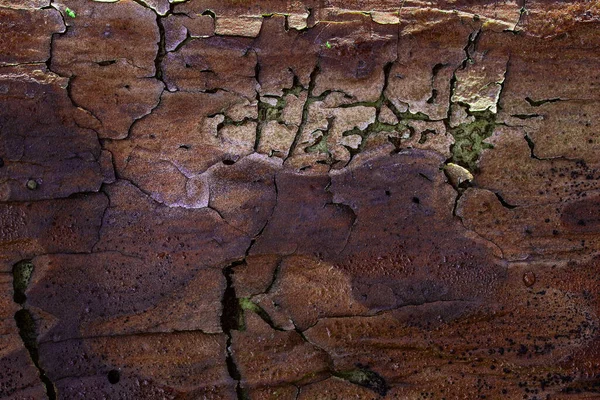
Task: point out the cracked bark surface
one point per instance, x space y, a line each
299 200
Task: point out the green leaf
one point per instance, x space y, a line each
328 45
70 12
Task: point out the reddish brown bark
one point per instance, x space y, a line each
299 200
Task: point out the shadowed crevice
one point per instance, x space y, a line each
230 320
25 322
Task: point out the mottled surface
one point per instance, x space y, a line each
299 200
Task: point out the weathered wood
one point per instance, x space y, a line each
299 200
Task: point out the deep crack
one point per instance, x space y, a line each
231 320
233 313
25 322
162 49
305 109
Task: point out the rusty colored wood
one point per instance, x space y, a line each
365 199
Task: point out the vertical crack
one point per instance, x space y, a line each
531 146
522 11
259 123
71 78
469 47
469 136
434 73
69 90
309 100
25 322
53 35
460 164
233 312
162 49
230 320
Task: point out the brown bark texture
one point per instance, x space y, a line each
299 200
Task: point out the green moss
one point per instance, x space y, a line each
296 88
21 276
469 139
228 121
248 305
267 112
383 127
245 304
321 146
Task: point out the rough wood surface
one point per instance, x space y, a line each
368 199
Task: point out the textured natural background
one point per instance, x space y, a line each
219 199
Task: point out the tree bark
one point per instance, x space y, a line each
299 200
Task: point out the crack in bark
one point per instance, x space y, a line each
132 334
138 119
305 110
537 103
232 311
69 90
522 11
531 145
25 322
504 203
434 73
486 130
276 272
66 28
162 51
71 78
361 376
375 126
103 191
246 304
387 310
346 207
230 318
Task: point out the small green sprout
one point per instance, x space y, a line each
328 45
70 12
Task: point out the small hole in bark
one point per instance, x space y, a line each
114 376
416 200
388 193
1 162
106 63
228 162
185 146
